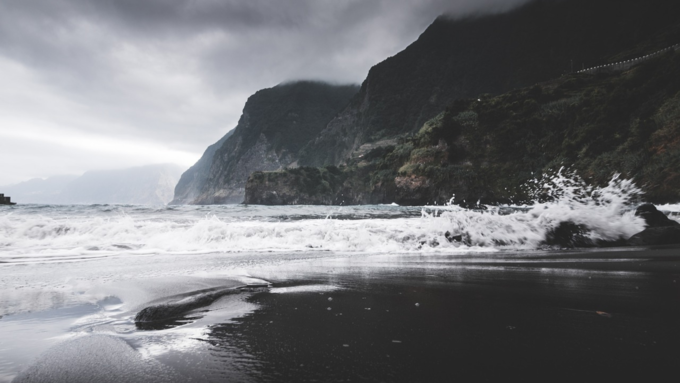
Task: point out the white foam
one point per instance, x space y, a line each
669 208
607 212
305 289
55 236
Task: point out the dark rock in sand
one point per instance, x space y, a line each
660 229
451 238
653 217
463 238
665 235
178 310
568 234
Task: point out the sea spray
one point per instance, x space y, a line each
606 213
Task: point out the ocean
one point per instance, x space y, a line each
332 293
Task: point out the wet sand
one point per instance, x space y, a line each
609 315
576 317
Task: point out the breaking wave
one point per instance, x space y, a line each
34 232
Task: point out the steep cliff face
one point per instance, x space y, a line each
276 123
192 181
492 54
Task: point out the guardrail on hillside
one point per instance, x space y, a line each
623 65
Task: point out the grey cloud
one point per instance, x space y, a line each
177 72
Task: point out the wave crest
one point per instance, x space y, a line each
606 212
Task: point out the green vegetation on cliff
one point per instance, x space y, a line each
462 58
487 148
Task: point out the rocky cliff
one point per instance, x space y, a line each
487 149
192 181
492 54
276 123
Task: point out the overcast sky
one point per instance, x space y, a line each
105 84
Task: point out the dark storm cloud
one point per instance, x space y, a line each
176 73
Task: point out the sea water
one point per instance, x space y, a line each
69 270
60 233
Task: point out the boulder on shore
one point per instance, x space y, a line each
568 235
660 230
653 217
665 235
571 235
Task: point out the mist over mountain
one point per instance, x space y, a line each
144 185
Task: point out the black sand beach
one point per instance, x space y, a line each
568 316
584 317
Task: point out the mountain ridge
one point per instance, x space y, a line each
144 185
